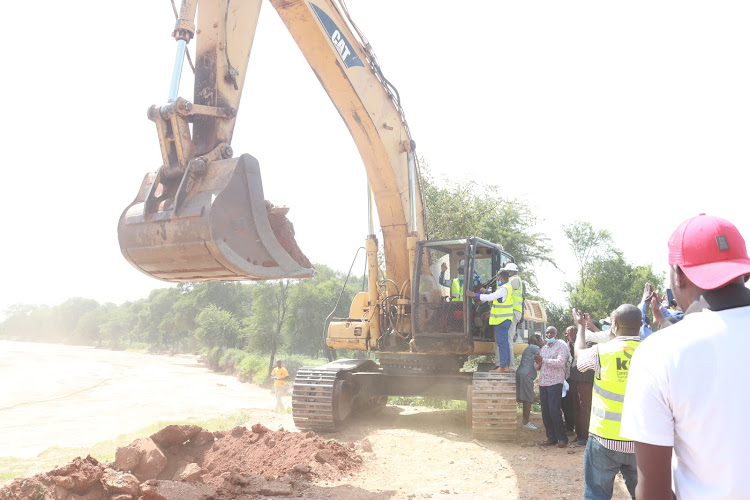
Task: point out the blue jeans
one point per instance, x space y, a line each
501 337
600 466
551 399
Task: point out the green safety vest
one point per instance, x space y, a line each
518 296
609 387
502 311
457 290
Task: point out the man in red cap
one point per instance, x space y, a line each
687 386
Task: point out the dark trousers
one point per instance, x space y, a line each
551 400
582 405
568 407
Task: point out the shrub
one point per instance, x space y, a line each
212 357
253 367
232 359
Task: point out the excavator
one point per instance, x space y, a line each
202 216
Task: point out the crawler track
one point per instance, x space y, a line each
493 405
313 399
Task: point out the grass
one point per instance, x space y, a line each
104 451
437 403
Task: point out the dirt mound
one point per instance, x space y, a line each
187 462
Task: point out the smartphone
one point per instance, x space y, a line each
670 297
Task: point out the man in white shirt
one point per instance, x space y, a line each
686 403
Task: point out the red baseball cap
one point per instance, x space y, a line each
709 250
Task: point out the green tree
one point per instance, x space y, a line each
559 316
588 245
69 313
30 323
118 322
155 320
88 330
267 317
606 280
218 328
310 303
231 296
467 209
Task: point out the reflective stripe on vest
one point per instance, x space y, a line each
518 295
609 387
502 311
457 290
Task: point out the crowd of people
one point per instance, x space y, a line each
660 402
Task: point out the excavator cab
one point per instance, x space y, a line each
444 319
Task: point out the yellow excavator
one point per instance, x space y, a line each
202 216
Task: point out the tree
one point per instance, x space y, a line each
559 316
310 303
606 280
218 328
29 322
588 245
466 209
267 317
88 330
118 322
68 314
155 319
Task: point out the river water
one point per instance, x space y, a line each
67 396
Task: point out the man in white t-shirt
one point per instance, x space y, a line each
686 403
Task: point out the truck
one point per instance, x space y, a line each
202 216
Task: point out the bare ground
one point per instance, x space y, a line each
417 453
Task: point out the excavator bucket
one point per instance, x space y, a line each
210 225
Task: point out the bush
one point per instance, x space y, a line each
232 359
212 357
254 368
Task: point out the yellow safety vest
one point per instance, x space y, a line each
609 387
502 311
518 295
457 290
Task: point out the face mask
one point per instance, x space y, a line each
551 341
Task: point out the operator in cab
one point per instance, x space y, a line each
457 284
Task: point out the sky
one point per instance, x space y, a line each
631 116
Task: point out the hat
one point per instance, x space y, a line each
510 266
605 321
461 264
709 250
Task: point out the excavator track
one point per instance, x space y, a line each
314 400
493 405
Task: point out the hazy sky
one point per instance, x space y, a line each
630 115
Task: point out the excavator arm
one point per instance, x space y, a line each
202 216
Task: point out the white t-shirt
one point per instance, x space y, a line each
688 388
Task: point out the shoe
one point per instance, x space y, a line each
562 444
504 369
580 442
547 443
529 426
